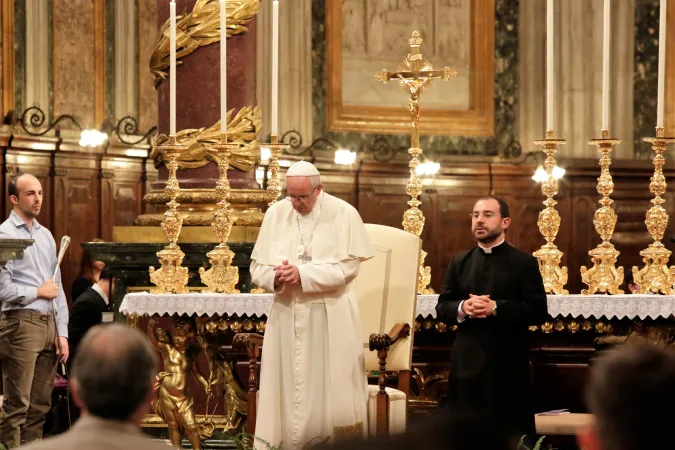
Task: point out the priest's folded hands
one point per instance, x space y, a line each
478 306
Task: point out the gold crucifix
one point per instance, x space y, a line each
415 74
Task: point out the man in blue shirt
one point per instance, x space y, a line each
28 342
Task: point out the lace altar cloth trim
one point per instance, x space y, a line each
608 306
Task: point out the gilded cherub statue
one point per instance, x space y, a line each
174 403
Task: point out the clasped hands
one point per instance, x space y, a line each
478 306
286 274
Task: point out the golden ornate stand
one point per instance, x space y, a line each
415 74
171 277
222 276
549 257
655 276
604 276
274 185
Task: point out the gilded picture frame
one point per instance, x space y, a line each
477 119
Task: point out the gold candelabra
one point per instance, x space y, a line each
414 75
274 183
222 277
604 276
548 256
171 277
655 276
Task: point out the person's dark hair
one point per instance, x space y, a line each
113 370
11 185
86 263
630 393
504 208
105 274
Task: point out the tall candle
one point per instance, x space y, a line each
549 65
275 67
662 63
605 67
223 66
172 69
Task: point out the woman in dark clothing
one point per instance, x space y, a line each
89 273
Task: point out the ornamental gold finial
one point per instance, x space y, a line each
655 276
548 256
171 277
604 276
222 277
414 75
274 184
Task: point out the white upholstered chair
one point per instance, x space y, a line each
386 289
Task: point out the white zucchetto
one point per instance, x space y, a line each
302 169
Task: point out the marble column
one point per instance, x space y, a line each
295 67
578 67
198 105
125 73
38 54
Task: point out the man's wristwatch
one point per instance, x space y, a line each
494 310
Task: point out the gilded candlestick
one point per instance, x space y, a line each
549 256
604 276
171 277
414 75
274 184
655 276
222 277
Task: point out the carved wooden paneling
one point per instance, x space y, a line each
122 187
448 198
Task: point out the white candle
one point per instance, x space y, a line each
605 68
172 69
275 67
662 63
223 66
549 65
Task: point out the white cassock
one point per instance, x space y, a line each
313 382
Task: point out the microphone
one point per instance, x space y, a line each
65 242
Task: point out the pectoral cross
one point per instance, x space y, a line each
415 74
305 257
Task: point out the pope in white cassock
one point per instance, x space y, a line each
313 381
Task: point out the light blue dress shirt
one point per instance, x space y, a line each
20 279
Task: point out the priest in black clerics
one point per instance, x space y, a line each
493 293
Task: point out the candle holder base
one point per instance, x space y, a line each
222 277
171 277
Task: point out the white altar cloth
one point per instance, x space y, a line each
257 305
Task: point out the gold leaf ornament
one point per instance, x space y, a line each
198 142
198 28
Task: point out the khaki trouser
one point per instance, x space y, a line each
29 361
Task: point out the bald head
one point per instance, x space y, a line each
114 359
25 193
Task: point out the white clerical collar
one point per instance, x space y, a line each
98 289
488 250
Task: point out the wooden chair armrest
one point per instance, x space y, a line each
247 343
385 340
